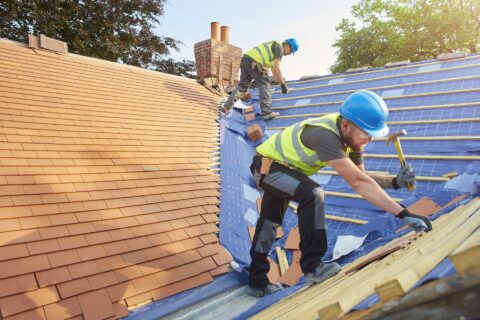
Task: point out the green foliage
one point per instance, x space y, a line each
115 30
394 30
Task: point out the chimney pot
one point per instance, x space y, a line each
225 34
215 30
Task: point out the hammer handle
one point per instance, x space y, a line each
398 147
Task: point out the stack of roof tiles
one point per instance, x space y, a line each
106 197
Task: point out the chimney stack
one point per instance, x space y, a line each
225 34
217 58
215 30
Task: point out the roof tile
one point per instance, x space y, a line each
17 284
146 283
209 238
25 265
103 280
28 300
164 292
54 232
128 273
116 247
63 309
83 269
121 291
34 222
53 276
96 305
72 242
13 251
10 225
73 288
219 270
44 246
63 258
144 297
35 314
222 257
110 263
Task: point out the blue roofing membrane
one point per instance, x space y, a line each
430 90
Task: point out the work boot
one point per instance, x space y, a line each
265 291
226 108
322 272
271 115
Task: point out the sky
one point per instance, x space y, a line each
311 22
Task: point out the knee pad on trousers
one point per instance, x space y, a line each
266 236
319 196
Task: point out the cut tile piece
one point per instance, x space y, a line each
274 272
96 305
292 275
424 207
222 257
293 240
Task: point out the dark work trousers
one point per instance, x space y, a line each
281 185
250 70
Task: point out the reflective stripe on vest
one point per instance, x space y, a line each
263 54
287 147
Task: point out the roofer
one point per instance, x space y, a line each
254 66
281 168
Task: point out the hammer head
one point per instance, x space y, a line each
394 136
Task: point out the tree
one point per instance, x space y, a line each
396 30
115 30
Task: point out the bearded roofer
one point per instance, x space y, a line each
255 65
282 167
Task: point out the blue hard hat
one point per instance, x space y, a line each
368 111
293 44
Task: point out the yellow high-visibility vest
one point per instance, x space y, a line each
263 54
287 147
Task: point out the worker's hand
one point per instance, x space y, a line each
404 177
418 223
284 88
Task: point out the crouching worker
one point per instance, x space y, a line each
282 167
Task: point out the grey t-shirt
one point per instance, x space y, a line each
277 50
328 145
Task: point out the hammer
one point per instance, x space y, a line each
394 137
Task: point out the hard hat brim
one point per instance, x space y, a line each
379 133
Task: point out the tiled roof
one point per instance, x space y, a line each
106 196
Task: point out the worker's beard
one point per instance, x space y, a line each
353 143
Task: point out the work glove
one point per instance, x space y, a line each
284 88
404 176
418 223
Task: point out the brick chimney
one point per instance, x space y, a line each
216 58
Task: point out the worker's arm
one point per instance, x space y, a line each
365 185
277 72
404 177
372 192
